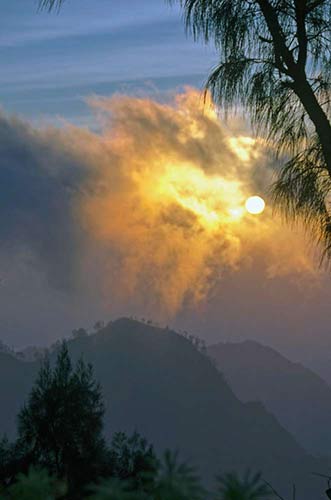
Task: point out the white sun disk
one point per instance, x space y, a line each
255 205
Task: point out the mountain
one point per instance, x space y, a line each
155 381
16 378
300 399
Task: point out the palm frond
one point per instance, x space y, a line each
177 480
249 487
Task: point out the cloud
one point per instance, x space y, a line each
147 213
39 179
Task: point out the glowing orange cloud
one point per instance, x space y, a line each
164 208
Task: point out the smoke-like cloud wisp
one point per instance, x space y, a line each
150 210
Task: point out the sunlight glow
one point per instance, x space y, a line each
243 147
212 199
255 205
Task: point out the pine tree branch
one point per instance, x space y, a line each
300 15
284 57
314 5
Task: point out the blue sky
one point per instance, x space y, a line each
50 62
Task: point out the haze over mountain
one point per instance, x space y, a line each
155 381
300 399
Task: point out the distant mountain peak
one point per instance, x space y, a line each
300 399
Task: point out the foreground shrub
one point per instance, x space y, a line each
37 484
177 480
115 489
250 487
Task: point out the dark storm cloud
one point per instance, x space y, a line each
39 179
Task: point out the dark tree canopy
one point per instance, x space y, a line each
60 441
60 427
133 459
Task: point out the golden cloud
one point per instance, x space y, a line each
164 204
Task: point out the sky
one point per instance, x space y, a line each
121 194
50 63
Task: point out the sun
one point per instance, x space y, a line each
255 205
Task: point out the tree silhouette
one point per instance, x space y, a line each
172 481
15 458
177 480
60 427
79 333
115 489
275 61
133 460
250 487
36 485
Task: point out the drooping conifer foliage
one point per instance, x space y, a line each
275 62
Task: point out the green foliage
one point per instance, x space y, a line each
61 424
36 485
173 480
176 480
6 452
14 458
250 487
133 459
114 489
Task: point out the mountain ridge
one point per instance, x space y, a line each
156 382
258 372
